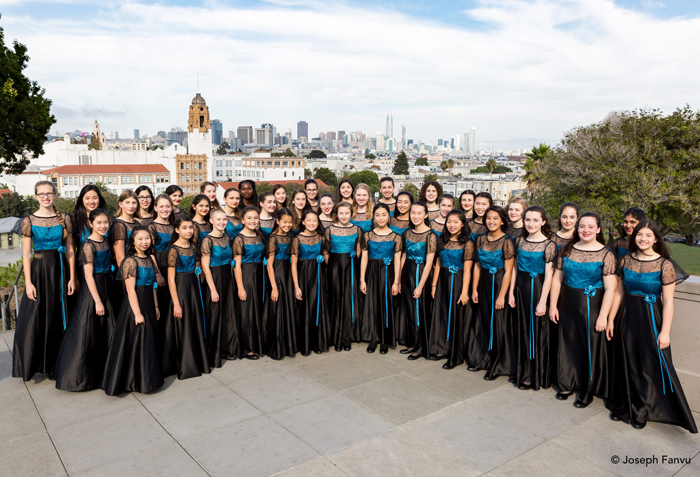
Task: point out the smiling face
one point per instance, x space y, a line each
326 205
453 224
210 191
246 190
280 195
629 223
645 240
232 199
446 206
218 220
515 212
91 201
387 189
101 224
311 191
493 221
128 206
344 214
533 222
163 209
381 217
185 230
176 197
467 202
311 222
481 205
45 195
417 215
285 223
269 205
144 200
431 194
299 200
403 203
251 220
142 240
361 197
346 190
588 229
568 218
201 208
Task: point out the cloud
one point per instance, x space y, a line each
535 70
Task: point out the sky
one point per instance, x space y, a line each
514 69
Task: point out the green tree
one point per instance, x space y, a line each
370 156
327 176
261 187
95 142
288 153
534 158
443 166
222 150
25 114
430 177
450 165
316 154
413 190
64 205
400 165
422 161
186 203
485 170
15 205
491 165
308 174
367 177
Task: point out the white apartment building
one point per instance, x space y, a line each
501 189
259 166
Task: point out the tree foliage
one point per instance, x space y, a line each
25 114
186 203
95 142
222 150
534 158
316 154
499 169
15 205
408 187
639 158
368 177
430 177
422 161
327 176
401 165
370 156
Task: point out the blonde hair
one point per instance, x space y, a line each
519 200
61 218
334 213
370 203
128 193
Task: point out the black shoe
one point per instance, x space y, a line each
413 357
580 404
447 366
562 396
383 349
639 425
318 351
347 347
338 349
511 380
438 357
613 417
372 347
406 351
525 386
252 356
305 354
231 358
489 377
473 370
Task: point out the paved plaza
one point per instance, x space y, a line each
336 414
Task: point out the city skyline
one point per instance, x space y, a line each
463 65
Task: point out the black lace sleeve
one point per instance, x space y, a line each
431 243
118 231
609 263
130 268
238 246
671 272
620 271
272 246
205 248
559 262
172 257
325 245
508 250
363 242
87 253
295 246
517 242
26 227
469 251
68 223
550 252
398 243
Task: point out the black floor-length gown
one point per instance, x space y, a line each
313 329
81 358
167 336
645 384
279 316
448 329
583 362
120 230
41 322
190 350
134 363
345 300
532 331
250 311
416 314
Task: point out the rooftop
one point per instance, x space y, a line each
108 169
226 185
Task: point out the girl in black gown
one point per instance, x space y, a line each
133 361
645 383
630 218
516 216
450 291
400 220
309 258
535 254
144 214
220 305
429 194
466 203
162 229
491 345
209 189
232 197
380 275
583 290
175 193
419 247
279 313
250 262
186 310
482 202
200 216
343 277
325 210
49 279
81 359
446 203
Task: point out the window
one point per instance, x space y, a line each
229 173
285 164
188 178
65 181
228 163
187 166
182 166
219 163
285 173
277 163
200 165
292 173
219 173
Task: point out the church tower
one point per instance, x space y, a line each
199 135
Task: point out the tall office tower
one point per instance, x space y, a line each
452 142
403 137
472 141
116 134
162 134
465 143
389 125
245 133
288 136
270 135
136 134
341 135
330 136
231 135
439 142
217 130
302 129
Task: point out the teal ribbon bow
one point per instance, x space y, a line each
61 250
492 271
651 299
387 262
418 261
453 271
533 275
590 293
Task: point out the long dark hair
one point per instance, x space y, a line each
253 198
566 251
299 216
438 188
410 202
251 208
176 236
275 188
213 203
487 196
636 213
96 213
426 220
659 247
467 192
573 205
261 199
131 248
281 213
236 211
501 213
138 190
307 212
381 205
463 236
338 197
172 188
197 199
80 216
546 228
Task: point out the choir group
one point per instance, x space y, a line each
120 303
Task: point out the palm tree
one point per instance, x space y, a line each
450 165
413 190
534 158
443 166
491 165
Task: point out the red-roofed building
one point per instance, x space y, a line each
116 177
4 191
222 186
